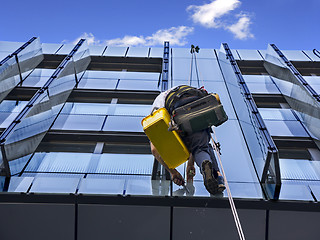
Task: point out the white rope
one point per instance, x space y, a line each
232 205
231 202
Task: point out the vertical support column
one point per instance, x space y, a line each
270 176
158 170
296 73
165 67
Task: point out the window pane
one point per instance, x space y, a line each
138 85
86 108
96 50
54 185
115 51
277 114
246 54
138 52
79 122
263 88
123 124
132 110
295 55
286 128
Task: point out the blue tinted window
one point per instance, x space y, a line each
123 124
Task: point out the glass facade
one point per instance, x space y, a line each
81 132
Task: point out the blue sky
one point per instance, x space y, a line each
243 24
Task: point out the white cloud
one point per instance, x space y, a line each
175 35
208 14
214 15
126 41
241 28
91 40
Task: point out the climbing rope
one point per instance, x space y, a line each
216 145
230 198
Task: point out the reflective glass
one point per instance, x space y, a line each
138 52
316 191
41 72
185 53
4 54
246 54
115 51
148 85
96 50
235 153
139 75
54 185
298 170
90 74
263 79
312 55
156 52
291 191
59 162
101 186
208 69
125 163
19 184
312 80
65 49
12 106
35 81
98 83
7 118
50 48
79 122
295 55
261 88
147 187
277 114
85 108
123 124
286 128
132 110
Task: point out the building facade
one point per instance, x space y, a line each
75 163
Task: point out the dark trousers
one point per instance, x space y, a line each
198 144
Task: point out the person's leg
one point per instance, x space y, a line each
198 144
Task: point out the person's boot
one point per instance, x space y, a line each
221 186
210 182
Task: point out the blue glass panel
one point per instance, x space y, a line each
139 76
246 54
235 153
277 114
34 81
101 186
312 55
298 170
156 52
62 162
132 110
12 106
96 50
102 74
312 80
238 190
123 124
185 53
138 85
290 191
50 48
263 79
286 128
85 108
79 122
4 54
115 51
316 191
65 49
138 52
7 118
147 187
263 88
208 69
98 83
19 184
54 185
295 55
125 163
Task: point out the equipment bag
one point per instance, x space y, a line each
200 114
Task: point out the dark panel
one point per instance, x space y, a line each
294 225
205 223
123 222
37 221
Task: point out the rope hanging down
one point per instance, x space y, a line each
216 145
